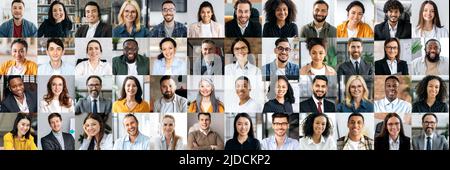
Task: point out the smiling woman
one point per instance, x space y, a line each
57 98
20 138
58 23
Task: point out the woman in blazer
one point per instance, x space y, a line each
391 56
207 25
392 133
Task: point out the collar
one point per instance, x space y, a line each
92 99
311 141
361 140
392 141
392 28
316 100
237 66
353 60
389 61
94 25
127 138
205 132
57 133
245 26
386 101
432 135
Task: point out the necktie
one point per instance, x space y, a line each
319 108
94 109
428 143
357 67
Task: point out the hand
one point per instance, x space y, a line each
195 144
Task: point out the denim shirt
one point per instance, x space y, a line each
365 106
271 69
28 29
178 67
121 31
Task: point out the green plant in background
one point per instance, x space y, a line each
115 41
331 58
416 46
368 57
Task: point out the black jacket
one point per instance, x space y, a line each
50 142
232 29
382 68
9 104
403 30
346 68
309 106
382 143
102 30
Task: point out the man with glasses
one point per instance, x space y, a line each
355 65
429 139
134 139
355 139
169 27
281 65
130 62
280 141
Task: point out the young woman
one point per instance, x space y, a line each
317 132
19 138
243 65
206 100
354 26
431 92
58 23
391 63
167 63
318 51
284 97
130 100
207 25
429 25
95 137
392 137
93 66
130 21
169 140
280 18
57 98
243 136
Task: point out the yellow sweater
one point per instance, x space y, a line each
11 143
364 30
30 66
121 107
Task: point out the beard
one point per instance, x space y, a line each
168 95
316 17
432 59
168 18
319 97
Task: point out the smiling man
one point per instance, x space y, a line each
94 28
355 139
317 103
242 25
393 26
18 26
19 99
281 65
280 140
204 138
319 28
130 62
170 102
429 139
356 65
432 63
391 103
134 139
169 27
57 139
56 66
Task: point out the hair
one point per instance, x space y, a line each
9 78
348 96
385 132
168 2
398 49
138 96
428 114
321 2
308 125
137 22
20 41
167 39
64 98
279 40
250 132
421 88
94 41
15 130
50 12
245 78
289 96
311 42
393 4
391 77
93 3
163 78
242 2
52 115
130 40
17 1
320 77
94 76
243 40
206 4
102 132
131 115
175 137
280 115
436 20
355 3
203 113
214 101
355 114
354 39
208 41
57 41
271 6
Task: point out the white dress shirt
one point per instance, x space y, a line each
307 143
54 106
398 106
393 30
392 66
91 31
85 69
394 144
236 70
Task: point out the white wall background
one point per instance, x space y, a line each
305 12
340 15
44 127
30 11
442 8
342 129
193 7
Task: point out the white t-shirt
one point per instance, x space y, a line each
353 145
281 71
206 30
132 69
318 71
351 33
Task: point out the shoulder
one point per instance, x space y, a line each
7 136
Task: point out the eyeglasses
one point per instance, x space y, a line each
391 48
93 85
280 124
429 123
281 49
169 10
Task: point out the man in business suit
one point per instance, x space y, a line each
429 139
241 25
393 26
18 94
356 65
56 139
317 103
209 63
95 27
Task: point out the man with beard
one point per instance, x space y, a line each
209 63
169 27
319 28
355 139
18 26
130 62
317 103
204 138
134 140
242 25
281 65
246 103
169 102
391 103
57 139
356 65
432 63
18 98
94 103
56 66
429 139
280 141
393 26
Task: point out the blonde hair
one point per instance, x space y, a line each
137 22
348 97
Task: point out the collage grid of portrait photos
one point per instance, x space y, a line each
224 75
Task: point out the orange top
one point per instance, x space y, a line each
193 108
30 67
120 106
364 30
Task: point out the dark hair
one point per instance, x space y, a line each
64 98
92 3
57 41
384 131
174 43
421 88
355 3
203 113
50 12
289 96
355 114
250 132
168 2
282 39
393 4
311 42
130 40
15 130
94 76
432 40
93 41
308 125
138 96
353 39
243 40
320 77
242 2
436 20
10 77
102 132
17 1
428 114
20 41
208 41
245 78
279 115
164 78
52 115
131 115
398 49
271 6
321 2
204 5
391 77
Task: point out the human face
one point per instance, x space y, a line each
168 88
281 88
17 10
243 126
205 88
355 49
428 13
130 88
206 14
94 53
319 125
393 127
240 51
243 13
168 50
356 89
204 121
168 12
55 124
94 87
91 127
208 49
391 50
168 125
23 126
429 124
57 86
282 12
317 53
91 14
433 50
55 52
16 86
58 13
282 51
355 125
18 51
393 15
131 125
280 126
433 88
242 89
355 15
130 50
391 89
319 88
129 14
320 12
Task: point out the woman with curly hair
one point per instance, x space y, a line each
432 92
317 130
284 97
57 98
280 18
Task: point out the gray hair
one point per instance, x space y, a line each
214 101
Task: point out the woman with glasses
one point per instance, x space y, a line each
130 21
244 61
318 51
392 136
356 96
391 63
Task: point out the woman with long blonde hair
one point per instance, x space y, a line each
356 96
130 21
